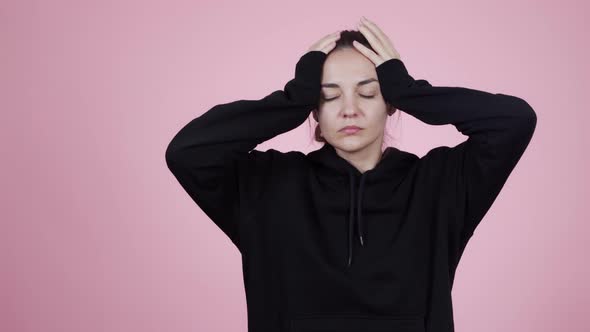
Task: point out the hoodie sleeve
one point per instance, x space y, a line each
213 156
499 128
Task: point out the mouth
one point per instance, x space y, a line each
350 129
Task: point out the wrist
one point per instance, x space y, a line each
309 67
393 72
306 86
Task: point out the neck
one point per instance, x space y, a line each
363 159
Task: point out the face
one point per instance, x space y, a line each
351 96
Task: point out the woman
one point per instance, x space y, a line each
350 237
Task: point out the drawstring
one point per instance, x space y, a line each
350 218
359 210
328 158
359 214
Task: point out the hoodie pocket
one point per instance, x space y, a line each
357 323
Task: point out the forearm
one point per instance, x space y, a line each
237 127
472 112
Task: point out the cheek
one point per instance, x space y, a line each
328 121
378 120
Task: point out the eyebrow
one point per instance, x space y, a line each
363 82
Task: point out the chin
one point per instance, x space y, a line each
350 144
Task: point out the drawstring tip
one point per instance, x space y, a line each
362 241
349 261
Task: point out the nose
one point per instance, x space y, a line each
350 109
350 112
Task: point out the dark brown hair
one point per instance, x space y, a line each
345 41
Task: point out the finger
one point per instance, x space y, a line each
378 33
376 59
331 35
375 43
329 47
329 39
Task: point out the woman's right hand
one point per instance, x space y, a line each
326 44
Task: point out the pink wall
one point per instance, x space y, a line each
97 235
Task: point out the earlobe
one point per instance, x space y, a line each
390 109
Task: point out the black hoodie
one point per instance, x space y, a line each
326 248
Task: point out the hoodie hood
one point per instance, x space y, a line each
392 168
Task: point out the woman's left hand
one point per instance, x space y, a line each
378 40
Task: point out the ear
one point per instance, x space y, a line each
390 109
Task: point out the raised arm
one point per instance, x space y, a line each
213 156
499 128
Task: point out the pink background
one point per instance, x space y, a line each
97 235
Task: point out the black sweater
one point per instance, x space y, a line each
328 248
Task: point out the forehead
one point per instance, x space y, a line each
347 67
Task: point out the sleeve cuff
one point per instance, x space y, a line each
306 86
393 73
309 68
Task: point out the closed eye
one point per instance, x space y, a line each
366 97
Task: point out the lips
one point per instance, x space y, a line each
350 129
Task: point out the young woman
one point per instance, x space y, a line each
350 237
